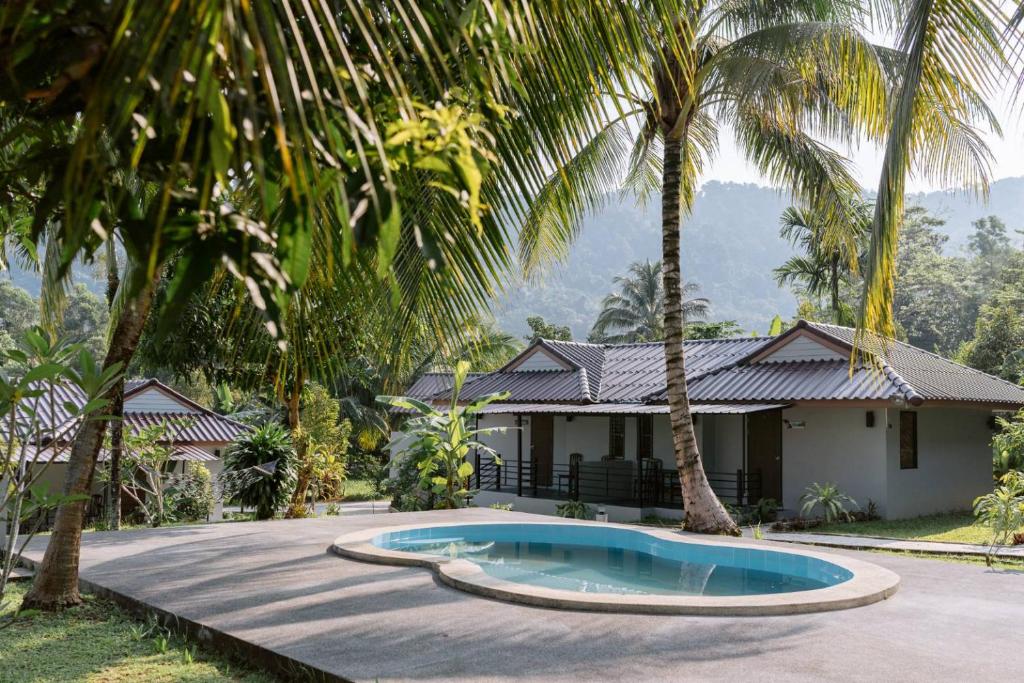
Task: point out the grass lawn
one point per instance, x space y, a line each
953 527
356 490
99 642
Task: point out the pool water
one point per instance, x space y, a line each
600 559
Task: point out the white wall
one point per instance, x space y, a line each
802 348
725 451
834 446
154 400
954 462
539 360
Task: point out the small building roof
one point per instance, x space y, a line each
809 362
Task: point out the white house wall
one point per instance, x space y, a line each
802 348
954 462
834 445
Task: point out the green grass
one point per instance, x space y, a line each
953 527
99 642
356 490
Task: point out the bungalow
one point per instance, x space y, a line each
909 432
199 434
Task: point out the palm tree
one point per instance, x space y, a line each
826 265
637 312
394 138
776 73
954 57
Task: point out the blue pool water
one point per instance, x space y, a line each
599 559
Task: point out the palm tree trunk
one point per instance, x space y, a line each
56 583
704 512
116 404
297 505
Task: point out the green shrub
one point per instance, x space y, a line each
574 509
189 496
259 470
829 498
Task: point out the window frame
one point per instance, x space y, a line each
617 437
910 463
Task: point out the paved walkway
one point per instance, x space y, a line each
903 545
275 584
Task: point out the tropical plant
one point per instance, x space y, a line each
321 444
776 74
37 373
721 329
573 509
390 140
259 470
439 441
827 265
829 498
1008 446
952 57
637 312
146 454
766 510
542 329
189 495
1002 510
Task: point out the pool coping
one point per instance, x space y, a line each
870 583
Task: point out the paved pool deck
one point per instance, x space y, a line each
893 544
277 585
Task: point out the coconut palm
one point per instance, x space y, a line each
954 56
637 312
826 266
777 74
394 138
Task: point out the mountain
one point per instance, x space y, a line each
731 244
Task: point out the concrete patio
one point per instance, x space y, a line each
275 584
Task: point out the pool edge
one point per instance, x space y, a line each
870 583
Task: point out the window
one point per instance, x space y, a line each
617 437
645 436
908 440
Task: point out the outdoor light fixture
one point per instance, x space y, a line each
869 418
795 424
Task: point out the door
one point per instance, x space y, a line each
764 453
542 435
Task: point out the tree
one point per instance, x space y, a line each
259 469
997 346
438 441
936 301
721 329
831 259
19 312
953 56
323 441
637 312
248 137
85 320
776 74
542 329
991 248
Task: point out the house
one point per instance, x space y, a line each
907 430
199 434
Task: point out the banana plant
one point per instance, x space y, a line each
439 440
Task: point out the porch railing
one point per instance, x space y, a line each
614 482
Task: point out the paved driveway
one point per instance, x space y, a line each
276 584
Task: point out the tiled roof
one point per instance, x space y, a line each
725 370
430 384
201 425
191 427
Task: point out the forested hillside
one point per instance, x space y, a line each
731 245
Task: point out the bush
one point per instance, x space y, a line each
189 496
575 509
829 498
259 470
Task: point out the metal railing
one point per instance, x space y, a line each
615 482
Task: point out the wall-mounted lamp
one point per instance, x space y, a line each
569 418
869 419
795 424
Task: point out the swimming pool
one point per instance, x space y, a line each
620 568
603 559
